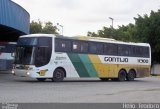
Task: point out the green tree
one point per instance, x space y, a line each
148 30
105 33
126 33
92 34
48 28
35 27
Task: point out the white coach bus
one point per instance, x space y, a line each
46 56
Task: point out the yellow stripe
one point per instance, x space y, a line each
101 69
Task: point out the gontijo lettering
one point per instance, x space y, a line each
115 59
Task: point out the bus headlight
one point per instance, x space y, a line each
12 72
28 73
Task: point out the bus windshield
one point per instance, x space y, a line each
32 41
33 51
25 55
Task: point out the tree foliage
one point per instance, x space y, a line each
48 28
146 29
124 33
35 27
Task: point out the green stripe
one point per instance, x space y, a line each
88 65
80 68
83 65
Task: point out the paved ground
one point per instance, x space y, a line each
22 90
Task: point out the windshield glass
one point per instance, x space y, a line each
7 48
33 51
25 55
28 41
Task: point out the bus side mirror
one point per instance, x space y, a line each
13 54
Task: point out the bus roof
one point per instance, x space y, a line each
86 38
38 35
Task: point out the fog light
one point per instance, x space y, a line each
28 73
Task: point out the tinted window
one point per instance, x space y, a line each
7 48
25 55
95 48
62 45
76 46
110 49
123 50
45 41
27 41
91 47
133 51
43 55
84 47
146 52
80 46
139 51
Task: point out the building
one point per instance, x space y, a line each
14 21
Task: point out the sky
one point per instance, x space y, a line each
80 16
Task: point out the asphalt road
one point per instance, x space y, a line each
26 90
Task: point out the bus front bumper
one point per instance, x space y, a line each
24 73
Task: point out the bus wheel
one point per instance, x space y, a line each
104 79
41 79
131 75
114 79
58 75
122 75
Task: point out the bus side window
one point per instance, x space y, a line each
132 51
138 51
110 49
146 52
84 47
95 48
79 47
76 46
92 48
123 50
62 45
142 51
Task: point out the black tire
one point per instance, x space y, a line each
104 79
114 79
41 79
131 75
58 75
122 75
